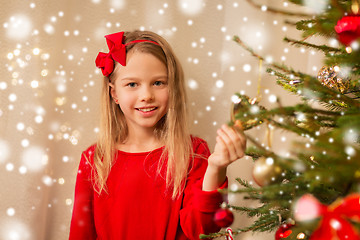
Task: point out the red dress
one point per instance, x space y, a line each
138 205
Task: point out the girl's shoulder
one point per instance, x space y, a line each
88 154
87 160
199 144
197 140
201 152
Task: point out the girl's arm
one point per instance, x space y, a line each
199 207
230 146
201 198
82 222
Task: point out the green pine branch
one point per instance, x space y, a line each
326 49
263 224
278 11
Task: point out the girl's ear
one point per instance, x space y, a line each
112 91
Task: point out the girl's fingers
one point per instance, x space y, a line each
220 144
239 130
242 138
220 147
238 125
238 140
229 142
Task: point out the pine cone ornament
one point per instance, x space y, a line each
329 76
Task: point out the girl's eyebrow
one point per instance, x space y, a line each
137 79
160 77
128 79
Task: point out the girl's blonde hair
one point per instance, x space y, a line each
172 129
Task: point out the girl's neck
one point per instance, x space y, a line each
140 141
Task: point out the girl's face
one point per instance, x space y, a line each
141 88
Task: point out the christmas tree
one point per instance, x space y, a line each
314 192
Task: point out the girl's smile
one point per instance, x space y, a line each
147 111
141 89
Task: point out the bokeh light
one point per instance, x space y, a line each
190 7
18 27
34 158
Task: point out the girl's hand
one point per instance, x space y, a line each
230 146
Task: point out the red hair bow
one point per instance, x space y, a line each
117 52
334 222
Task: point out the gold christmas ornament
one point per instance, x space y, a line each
309 124
329 76
266 172
242 105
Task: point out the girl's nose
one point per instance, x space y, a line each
147 94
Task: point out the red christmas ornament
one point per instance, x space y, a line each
284 231
223 217
348 29
335 218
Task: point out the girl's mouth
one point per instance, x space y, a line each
146 109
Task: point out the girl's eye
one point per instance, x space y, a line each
132 84
159 83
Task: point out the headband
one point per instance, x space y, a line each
117 52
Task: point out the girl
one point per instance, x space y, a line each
147 177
